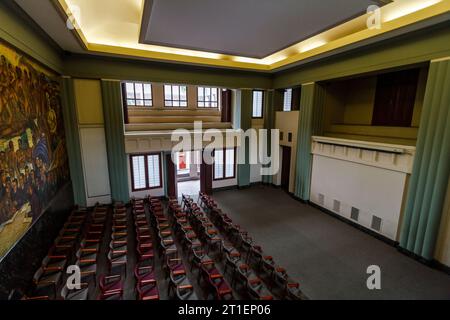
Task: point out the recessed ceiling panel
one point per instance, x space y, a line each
250 28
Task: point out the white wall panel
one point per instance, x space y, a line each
95 164
366 177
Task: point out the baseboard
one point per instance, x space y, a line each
430 263
440 266
353 224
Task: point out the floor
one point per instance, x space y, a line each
190 188
327 256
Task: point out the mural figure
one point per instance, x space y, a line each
33 158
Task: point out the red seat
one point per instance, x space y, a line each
148 292
111 285
144 275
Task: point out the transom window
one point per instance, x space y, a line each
145 171
287 104
175 96
224 164
138 94
207 97
258 100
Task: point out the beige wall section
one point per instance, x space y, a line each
158 95
349 108
442 253
192 97
258 123
88 96
287 122
89 107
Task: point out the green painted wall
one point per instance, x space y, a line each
19 31
125 69
419 47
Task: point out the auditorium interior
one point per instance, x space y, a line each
224 150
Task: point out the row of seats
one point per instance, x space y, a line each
146 282
112 284
249 263
245 278
212 281
227 262
179 287
73 246
211 242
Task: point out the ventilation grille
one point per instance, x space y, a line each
337 206
321 199
355 214
376 223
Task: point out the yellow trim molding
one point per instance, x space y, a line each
113 27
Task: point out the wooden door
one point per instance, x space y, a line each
171 177
206 177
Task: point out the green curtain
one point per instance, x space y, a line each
274 102
73 141
246 102
310 123
429 178
115 140
165 173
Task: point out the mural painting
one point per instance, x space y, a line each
33 158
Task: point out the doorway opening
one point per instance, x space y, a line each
188 173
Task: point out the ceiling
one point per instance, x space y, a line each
248 28
257 35
45 15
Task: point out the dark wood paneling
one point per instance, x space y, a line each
395 98
206 178
171 177
286 168
226 106
296 92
